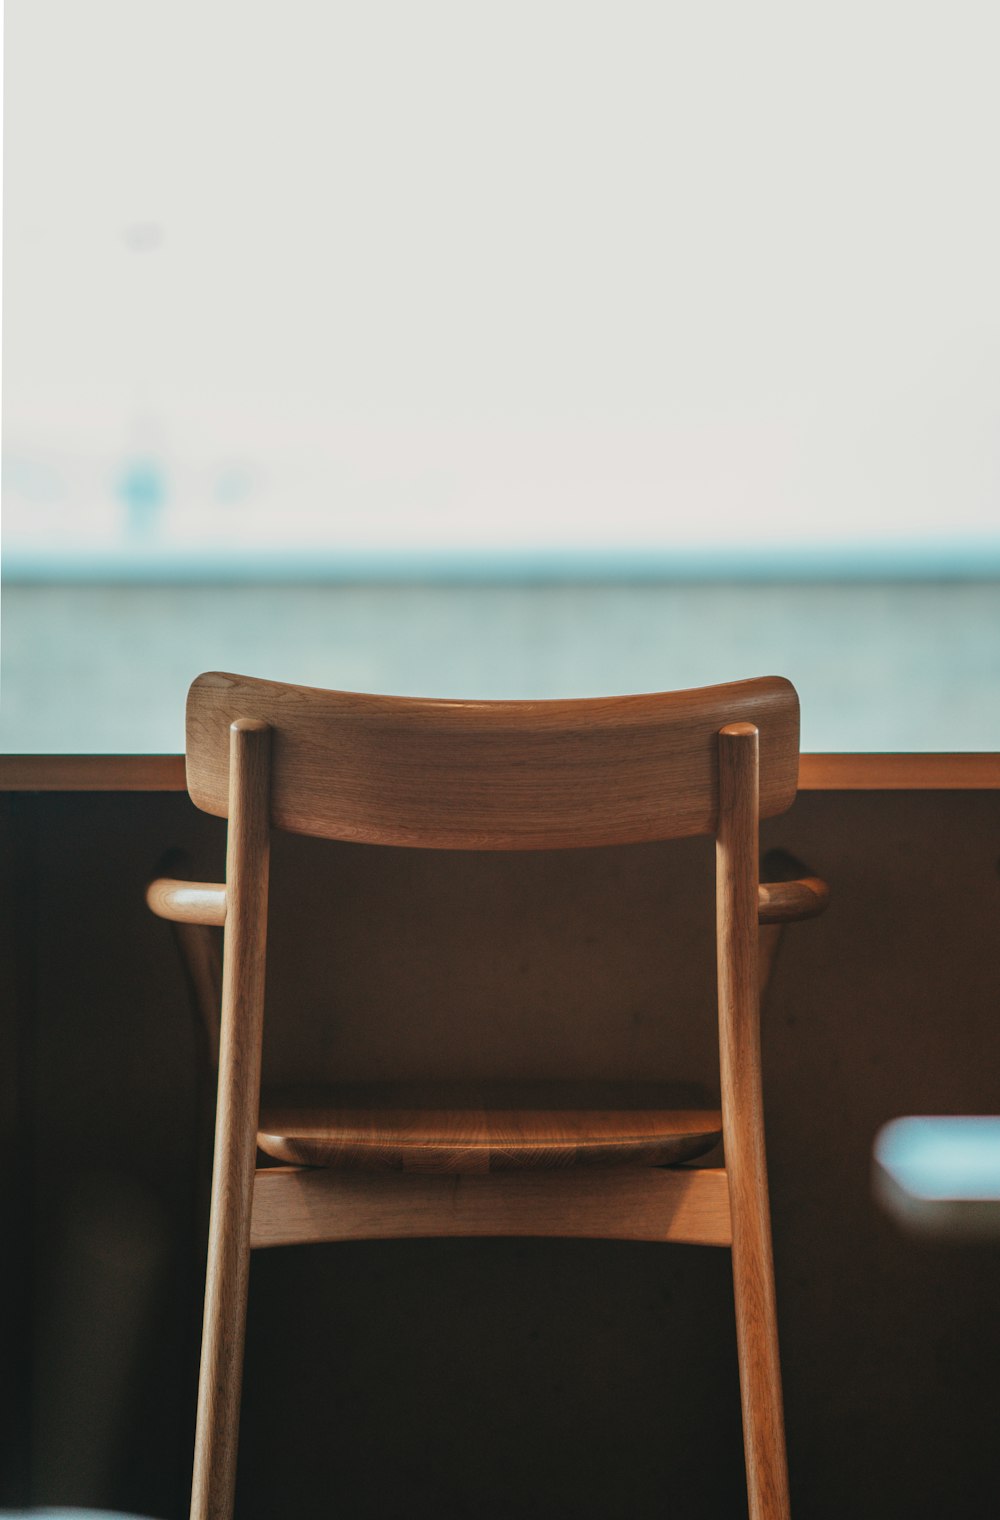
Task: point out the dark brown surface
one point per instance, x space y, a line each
502 1377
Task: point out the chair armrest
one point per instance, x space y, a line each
796 894
187 902
782 902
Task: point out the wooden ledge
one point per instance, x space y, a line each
817 773
92 773
961 772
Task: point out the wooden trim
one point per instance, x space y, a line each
915 772
92 773
304 1204
957 772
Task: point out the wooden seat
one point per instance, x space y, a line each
480 776
487 1128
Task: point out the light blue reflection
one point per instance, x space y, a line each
943 1158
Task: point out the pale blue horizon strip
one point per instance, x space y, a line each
977 560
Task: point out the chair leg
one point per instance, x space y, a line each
743 1123
221 1376
241 1025
760 1367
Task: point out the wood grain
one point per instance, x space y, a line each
492 775
247 862
635 1203
482 1127
743 1124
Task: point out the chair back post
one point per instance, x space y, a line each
247 863
737 871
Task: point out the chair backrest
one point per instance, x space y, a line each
492 775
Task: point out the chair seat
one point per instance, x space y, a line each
482 1128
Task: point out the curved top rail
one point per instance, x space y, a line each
492 775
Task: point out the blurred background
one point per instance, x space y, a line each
525 350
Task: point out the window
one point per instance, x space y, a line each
529 350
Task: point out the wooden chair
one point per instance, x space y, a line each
382 1162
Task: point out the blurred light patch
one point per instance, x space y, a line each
940 1177
943 1158
142 489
